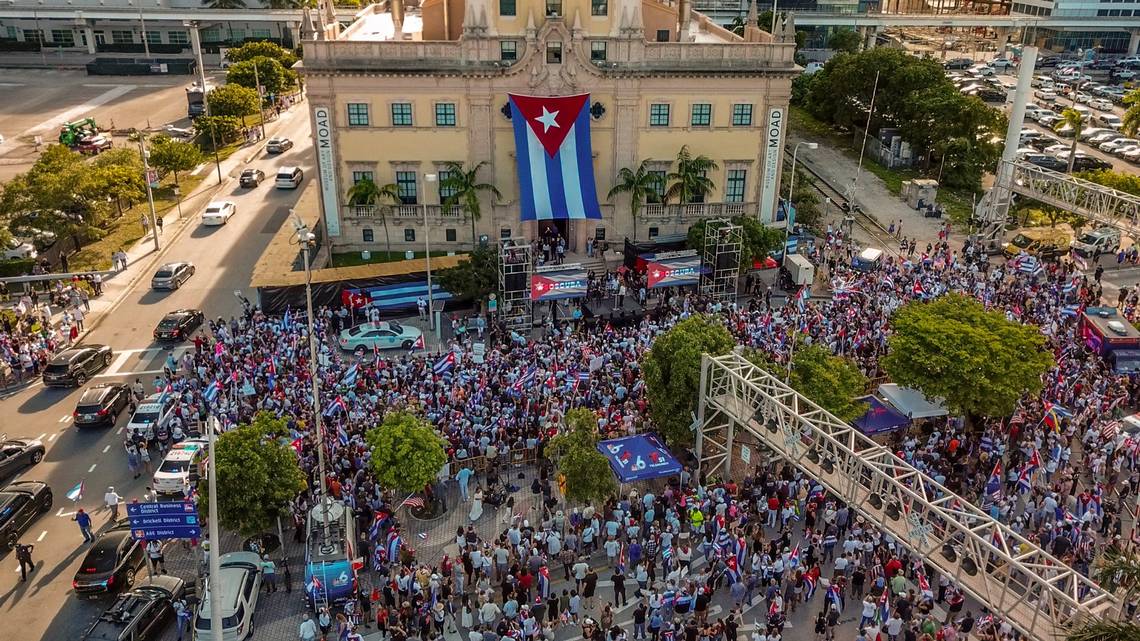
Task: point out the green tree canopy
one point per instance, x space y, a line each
588 474
1118 180
465 189
844 40
473 278
690 182
407 454
217 130
274 77
262 48
832 382
172 156
258 475
673 373
977 360
759 239
233 100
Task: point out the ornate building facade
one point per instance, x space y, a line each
404 90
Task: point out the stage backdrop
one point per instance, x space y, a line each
639 457
557 284
673 271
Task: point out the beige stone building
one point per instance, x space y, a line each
406 88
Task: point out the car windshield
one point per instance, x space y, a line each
163 273
56 368
168 323
1088 239
395 327
145 416
1021 240
100 559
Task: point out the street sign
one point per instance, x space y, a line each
152 178
168 520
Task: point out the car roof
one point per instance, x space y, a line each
179 313
219 204
97 393
286 169
68 355
172 265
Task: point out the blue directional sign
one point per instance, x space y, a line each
169 520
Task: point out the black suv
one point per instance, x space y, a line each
101 404
140 614
178 325
1090 163
73 367
251 178
21 503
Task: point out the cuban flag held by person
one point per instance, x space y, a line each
555 160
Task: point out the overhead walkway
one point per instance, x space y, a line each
742 406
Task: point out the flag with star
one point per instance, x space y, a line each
555 160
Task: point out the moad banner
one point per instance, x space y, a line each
773 145
326 166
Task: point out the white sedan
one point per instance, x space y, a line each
218 212
1101 104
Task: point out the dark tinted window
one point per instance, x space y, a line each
163 273
57 368
168 322
94 396
9 505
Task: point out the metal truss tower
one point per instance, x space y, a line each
515 265
723 244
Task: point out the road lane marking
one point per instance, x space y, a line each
106 449
68 115
11 84
41 436
113 374
42 536
52 437
120 360
120 430
65 419
92 468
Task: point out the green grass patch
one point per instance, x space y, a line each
127 229
352 259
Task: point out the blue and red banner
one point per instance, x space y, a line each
674 271
558 284
555 161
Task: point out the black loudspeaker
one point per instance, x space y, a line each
517 282
727 261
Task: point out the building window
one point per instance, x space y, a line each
178 37
260 33
599 233
659 115
653 232
504 232
445 114
599 7
367 235
63 37
121 36
358 176
742 115
35 35
401 114
154 37
445 191
213 34
507 8
662 35
508 50
554 53
702 115
12 31
357 114
658 193
409 235
237 35
734 186
554 8
406 187
449 235
598 51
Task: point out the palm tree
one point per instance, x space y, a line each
368 194
224 4
639 183
465 188
1131 113
1071 118
691 181
1117 570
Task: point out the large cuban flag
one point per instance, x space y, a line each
552 144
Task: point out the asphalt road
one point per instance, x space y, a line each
44 608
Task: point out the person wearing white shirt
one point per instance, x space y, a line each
111 499
308 629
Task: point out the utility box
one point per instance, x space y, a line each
801 270
920 189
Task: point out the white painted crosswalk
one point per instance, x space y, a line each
144 361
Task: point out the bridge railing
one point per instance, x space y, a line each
743 406
1098 203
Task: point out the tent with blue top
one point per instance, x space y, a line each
880 418
639 457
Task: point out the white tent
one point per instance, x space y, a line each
911 402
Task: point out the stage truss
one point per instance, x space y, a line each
1037 593
723 244
515 265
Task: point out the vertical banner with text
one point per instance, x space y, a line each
326 167
770 179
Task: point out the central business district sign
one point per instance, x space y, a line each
169 520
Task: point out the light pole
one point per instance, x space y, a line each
791 185
196 45
215 539
305 238
149 191
428 179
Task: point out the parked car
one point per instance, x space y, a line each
16 248
1044 243
1089 132
1001 63
251 178
1109 121
219 212
19 453
1105 240
140 614
179 467
1053 150
179 324
238 587
1089 163
73 367
382 335
92 145
21 503
156 410
1103 104
1103 137
1046 161
172 275
1044 142
110 563
958 63
1117 143
1048 121
1132 155
278 145
101 404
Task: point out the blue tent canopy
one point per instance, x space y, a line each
639 457
880 418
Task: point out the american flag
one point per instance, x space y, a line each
413 502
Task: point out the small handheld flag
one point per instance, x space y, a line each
75 493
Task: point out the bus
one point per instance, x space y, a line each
330 576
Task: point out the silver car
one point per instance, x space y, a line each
239 584
172 275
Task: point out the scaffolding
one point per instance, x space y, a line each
515 264
741 406
723 243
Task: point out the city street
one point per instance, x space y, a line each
44 606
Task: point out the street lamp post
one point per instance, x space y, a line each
149 190
428 179
791 185
215 540
305 238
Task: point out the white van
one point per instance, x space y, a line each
1046 94
239 584
1044 82
289 177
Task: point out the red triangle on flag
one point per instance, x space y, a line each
550 117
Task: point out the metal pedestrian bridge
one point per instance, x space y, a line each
743 406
